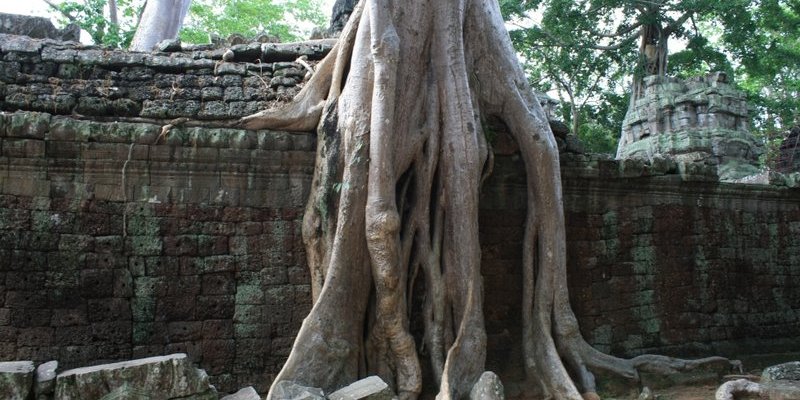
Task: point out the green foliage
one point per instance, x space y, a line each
251 17
764 38
90 15
591 50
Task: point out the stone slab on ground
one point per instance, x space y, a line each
45 380
248 393
789 371
16 379
369 388
781 390
488 387
288 390
165 377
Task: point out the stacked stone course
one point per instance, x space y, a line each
116 245
68 78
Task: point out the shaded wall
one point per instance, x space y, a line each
114 245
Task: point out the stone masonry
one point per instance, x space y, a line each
698 120
117 242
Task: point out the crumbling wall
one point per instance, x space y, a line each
72 79
789 159
703 120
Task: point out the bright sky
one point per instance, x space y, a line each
40 8
27 7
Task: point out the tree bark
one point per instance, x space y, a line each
399 107
160 20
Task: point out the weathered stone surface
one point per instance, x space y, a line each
16 379
787 371
369 388
248 393
488 387
314 50
36 27
45 380
164 377
789 158
646 394
704 120
781 390
288 390
169 45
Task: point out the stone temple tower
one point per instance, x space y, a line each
700 120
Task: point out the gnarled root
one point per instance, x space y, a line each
729 390
398 106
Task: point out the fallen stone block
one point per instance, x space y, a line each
488 387
166 377
288 390
781 390
247 393
45 380
16 379
370 388
782 372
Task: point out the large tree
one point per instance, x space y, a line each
399 107
160 20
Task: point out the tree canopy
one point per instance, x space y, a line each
289 20
114 22
594 51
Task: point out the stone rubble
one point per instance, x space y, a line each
288 390
165 377
370 388
45 384
16 379
488 387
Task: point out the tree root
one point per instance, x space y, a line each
729 390
398 106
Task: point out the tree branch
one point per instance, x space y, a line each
62 12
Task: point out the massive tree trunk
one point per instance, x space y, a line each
399 107
160 20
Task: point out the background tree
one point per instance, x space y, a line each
571 44
289 20
160 20
399 106
108 22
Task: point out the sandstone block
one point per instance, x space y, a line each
488 387
787 371
247 393
45 380
165 377
370 388
288 390
16 379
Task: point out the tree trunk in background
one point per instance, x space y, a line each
160 20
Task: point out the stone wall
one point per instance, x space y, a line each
68 78
117 245
789 159
117 242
